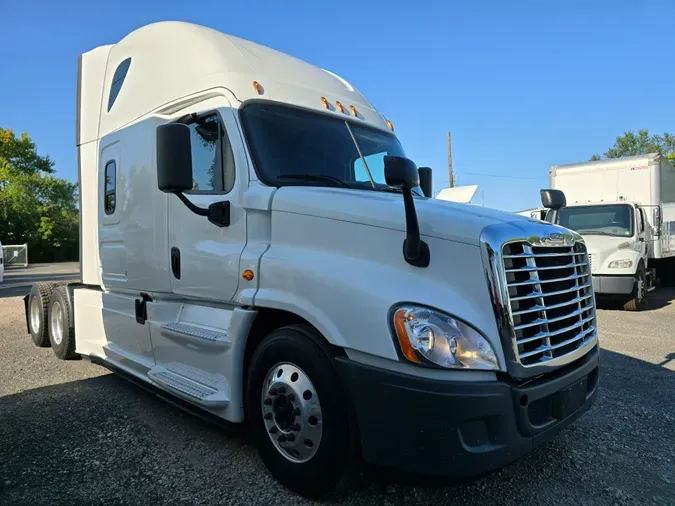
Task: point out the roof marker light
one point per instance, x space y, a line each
325 102
340 107
353 109
390 125
257 87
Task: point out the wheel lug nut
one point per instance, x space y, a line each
282 438
296 411
274 430
290 437
268 402
282 390
273 391
268 416
290 397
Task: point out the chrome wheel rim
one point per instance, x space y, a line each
640 289
34 315
292 412
57 322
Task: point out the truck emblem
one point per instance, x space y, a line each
556 239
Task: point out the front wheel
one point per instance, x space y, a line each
637 302
298 412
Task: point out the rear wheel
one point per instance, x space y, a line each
38 309
61 331
297 410
637 302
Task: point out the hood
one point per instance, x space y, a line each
604 244
441 219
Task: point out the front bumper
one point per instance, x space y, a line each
462 428
613 285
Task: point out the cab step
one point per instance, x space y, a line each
195 334
194 391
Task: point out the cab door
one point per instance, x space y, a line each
203 256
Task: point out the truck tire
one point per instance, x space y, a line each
637 301
38 309
61 331
298 414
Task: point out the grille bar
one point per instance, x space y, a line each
550 299
544 349
559 292
554 306
553 320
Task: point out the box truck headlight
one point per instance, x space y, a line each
620 264
431 337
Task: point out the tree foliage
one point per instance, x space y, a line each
36 207
641 143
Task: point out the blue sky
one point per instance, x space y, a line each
521 85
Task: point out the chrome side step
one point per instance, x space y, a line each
202 336
198 393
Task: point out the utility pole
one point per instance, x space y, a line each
451 176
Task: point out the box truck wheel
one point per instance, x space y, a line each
61 332
637 302
38 308
298 412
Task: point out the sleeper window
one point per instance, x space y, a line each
110 187
117 81
212 158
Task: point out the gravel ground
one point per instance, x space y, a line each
73 433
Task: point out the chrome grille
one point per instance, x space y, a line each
550 300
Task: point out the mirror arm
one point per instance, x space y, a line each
195 209
415 251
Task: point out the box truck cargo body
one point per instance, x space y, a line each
256 244
625 210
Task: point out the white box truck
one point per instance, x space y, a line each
624 208
255 244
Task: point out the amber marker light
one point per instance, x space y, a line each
353 109
340 107
247 274
258 89
402 335
324 100
390 125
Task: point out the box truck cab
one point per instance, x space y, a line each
256 245
624 209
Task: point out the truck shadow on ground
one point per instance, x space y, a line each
129 447
656 299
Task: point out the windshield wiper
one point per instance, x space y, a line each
598 232
315 177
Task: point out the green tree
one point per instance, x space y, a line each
641 143
36 207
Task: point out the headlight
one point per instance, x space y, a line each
426 335
620 264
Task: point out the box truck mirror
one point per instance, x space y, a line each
553 199
174 170
425 181
400 172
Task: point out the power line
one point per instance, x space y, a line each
499 175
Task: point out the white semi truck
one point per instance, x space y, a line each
255 245
624 208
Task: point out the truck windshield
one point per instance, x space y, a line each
292 146
614 220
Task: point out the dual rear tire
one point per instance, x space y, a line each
49 320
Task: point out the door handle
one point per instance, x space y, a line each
175 262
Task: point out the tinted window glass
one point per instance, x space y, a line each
286 140
212 158
118 80
110 191
616 220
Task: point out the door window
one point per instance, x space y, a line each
110 191
641 220
212 158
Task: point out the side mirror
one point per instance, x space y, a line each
400 172
174 158
553 199
657 221
425 181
